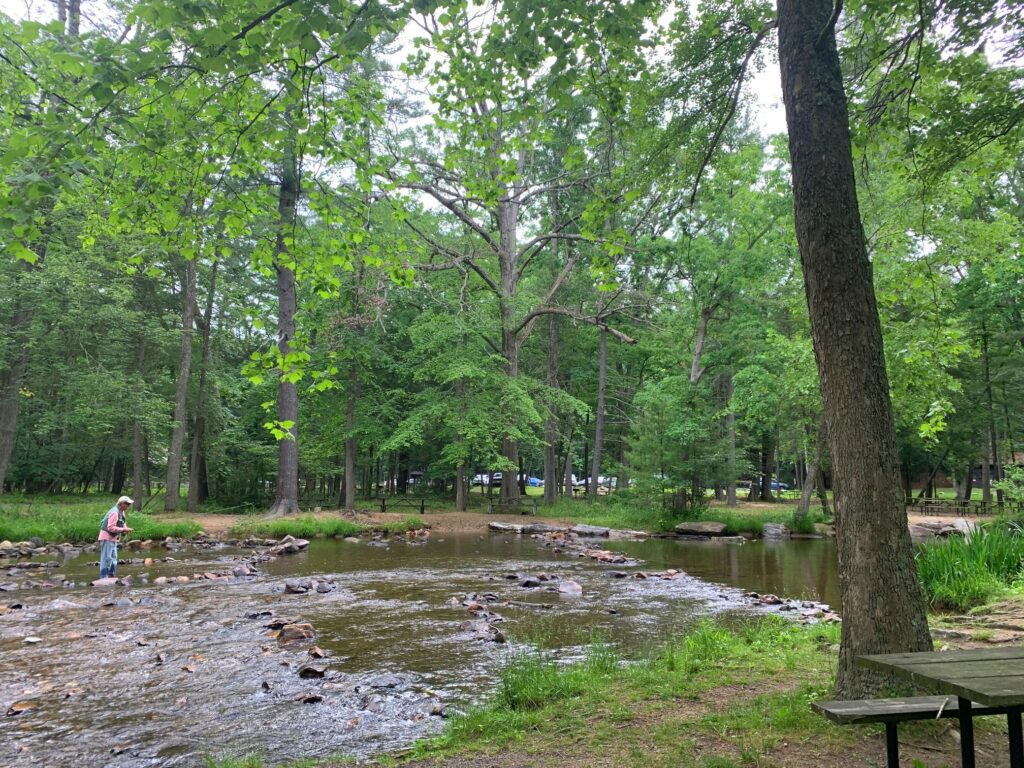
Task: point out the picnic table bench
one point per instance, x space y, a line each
892 712
970 682
523 505
398 501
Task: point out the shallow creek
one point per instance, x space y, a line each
148 675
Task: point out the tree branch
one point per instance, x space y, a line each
452 205
737 86
598 321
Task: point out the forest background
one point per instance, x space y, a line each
264 254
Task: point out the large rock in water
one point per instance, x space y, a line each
700 528
775 531
590 530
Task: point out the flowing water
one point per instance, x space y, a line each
166 675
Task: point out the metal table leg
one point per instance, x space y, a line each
1016 743
966 733
892 746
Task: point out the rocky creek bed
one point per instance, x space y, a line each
294 649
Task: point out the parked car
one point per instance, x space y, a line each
535 482
484 478
777 486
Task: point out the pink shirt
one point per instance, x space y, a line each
112 526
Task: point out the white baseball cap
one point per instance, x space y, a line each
125 500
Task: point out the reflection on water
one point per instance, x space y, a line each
164 675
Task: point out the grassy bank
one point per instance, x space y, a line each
308 527
633 511
960 573
76 519
781 666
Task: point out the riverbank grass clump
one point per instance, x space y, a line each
960 573
76 519
609 699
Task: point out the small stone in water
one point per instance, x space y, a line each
33 640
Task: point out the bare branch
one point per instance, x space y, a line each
599 321
453 205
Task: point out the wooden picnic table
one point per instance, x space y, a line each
992 677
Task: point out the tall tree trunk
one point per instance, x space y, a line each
350 439
986 470
74 17
730 430
197 485
602 381
460 488
813 470
139 436
766 468
551 422
968 488
174 452
567 467
696 370
286 498
883 605
997 469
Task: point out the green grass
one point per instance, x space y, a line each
539 697
76 519
633 511
308 527
960 573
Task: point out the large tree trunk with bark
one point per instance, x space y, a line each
883 606
286 498
174 452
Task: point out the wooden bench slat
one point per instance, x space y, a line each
895 710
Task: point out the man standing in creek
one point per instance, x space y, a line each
111 528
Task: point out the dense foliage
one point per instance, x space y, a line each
519 241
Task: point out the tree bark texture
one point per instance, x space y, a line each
883 606
286 498
174 452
